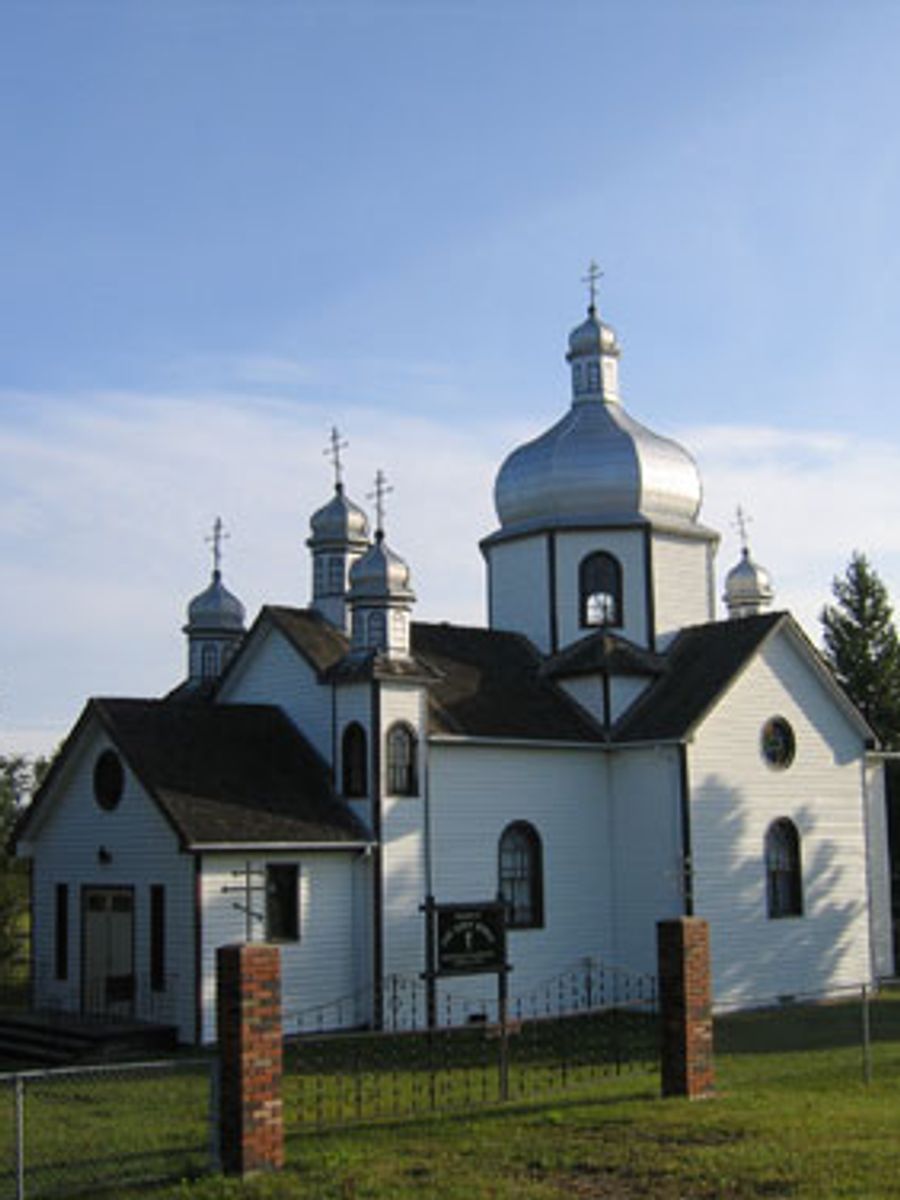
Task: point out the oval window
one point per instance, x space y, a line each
109 780
778 743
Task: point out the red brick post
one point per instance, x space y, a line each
251 1134
685 997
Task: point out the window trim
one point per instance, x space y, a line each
408 785
534 876
783 858
587 589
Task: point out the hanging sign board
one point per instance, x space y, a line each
471 939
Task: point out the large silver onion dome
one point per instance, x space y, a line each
340 521
748 587
597 462
380 574
215 609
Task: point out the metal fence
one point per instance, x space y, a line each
86 1128
589 1024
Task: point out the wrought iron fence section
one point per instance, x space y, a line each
84 1129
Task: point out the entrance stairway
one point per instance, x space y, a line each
59 1039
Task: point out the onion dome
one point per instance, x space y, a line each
748 588
340 521
215 609
380 574
597 464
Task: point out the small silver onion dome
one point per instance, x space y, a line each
597 463
380 574
748 587
340 520
215 609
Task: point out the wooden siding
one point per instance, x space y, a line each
272 672
682 585
735 795
319 969
143 851
518 588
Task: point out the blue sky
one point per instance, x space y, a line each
226 226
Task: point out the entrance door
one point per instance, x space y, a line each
108 978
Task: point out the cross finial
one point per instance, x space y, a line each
593 275
382 489
740 523
215 539
333 450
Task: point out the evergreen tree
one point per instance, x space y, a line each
862 646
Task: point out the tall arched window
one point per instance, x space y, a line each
209 660
521 883
377 629
402 771
353 761
600 590
784 880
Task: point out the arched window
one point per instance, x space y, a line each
209 660
377 629
521 876
600 590
353 761
402 773
784 881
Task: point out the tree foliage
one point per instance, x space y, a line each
19 777
863 648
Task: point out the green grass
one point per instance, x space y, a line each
791 1118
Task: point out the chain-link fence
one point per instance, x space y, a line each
82 1129
852 1033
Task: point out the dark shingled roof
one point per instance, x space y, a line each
700 663
316 639
489 684
602 651
230 772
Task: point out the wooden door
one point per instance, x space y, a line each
108 952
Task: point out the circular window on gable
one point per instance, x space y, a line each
109 780
778 742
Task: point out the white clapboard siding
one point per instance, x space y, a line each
518 589
321 972
144 851
475 792
736 794
682 584
271 671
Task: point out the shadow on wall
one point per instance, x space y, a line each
757 959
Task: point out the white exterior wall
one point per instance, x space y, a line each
144 851
475 792
518 588
274 673
645 828
879 870
682 584
735 795
320 969
404 883
627 545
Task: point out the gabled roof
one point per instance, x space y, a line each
489 684
230 773
320 642
602 652
700 665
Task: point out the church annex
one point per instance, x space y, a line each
607 752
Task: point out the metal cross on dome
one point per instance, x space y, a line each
382 489
740 523
594 274
333 450
215 539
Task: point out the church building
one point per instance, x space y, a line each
607 752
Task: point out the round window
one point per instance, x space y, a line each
109 780
778 744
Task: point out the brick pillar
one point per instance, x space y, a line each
685 995
251 1135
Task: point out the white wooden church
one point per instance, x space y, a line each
607 752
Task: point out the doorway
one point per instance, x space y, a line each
108 951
